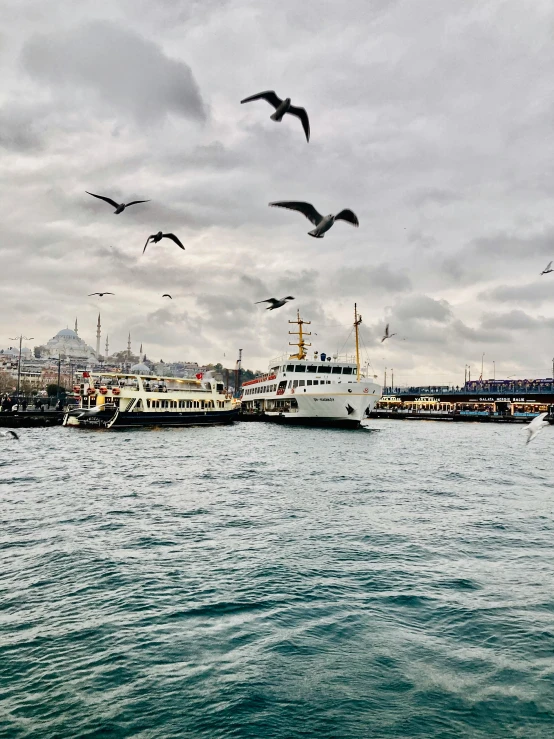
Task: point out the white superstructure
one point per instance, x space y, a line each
321 391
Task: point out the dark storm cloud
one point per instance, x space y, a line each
126 72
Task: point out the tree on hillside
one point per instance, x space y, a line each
7 383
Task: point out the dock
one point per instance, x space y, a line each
30 419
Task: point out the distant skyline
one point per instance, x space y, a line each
432 121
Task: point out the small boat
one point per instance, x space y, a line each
323 391
120 400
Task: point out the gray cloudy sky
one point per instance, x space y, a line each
432 120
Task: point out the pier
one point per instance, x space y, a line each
501 401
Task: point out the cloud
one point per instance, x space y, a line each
515 320
422 308
533 293
440 149
125 72
362 280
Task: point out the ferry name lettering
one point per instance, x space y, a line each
327 400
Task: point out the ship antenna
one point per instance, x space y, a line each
357 321
301 344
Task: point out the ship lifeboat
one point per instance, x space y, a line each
116 390
76 389
104 390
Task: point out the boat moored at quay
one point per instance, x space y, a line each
321 391
121 400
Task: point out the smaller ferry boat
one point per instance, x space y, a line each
120 400
323 391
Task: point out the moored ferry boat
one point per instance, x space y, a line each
120 400
322 391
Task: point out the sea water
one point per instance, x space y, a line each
264 581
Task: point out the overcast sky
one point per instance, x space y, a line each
433 120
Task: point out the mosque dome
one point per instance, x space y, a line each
66 333
70 344
140 369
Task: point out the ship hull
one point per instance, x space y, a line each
339 405
148 420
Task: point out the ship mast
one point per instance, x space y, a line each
301 344
357 321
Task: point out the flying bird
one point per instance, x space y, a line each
547 269
282 107
154 238
167 295
274 302
101 295
387 335
536 426
321 223
9 434
119 207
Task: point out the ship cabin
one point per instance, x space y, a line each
149 393
275 390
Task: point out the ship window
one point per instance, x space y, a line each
290 367
323 369
290 381
189 403
301 382
337 370
312 368
300 368
316 382
295 383
148 403
347 371
203 404
308 382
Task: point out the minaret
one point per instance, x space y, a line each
76 330
98 334
140 353
107 347
129 348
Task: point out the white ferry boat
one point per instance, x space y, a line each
322 391
120 400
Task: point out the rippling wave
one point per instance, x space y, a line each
261 581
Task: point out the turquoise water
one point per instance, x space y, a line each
259 581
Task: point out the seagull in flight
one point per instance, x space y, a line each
274 302
101 295
154 238
387 335
547 269
9 434
536 426
282 107
119 207
167 295
321 223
